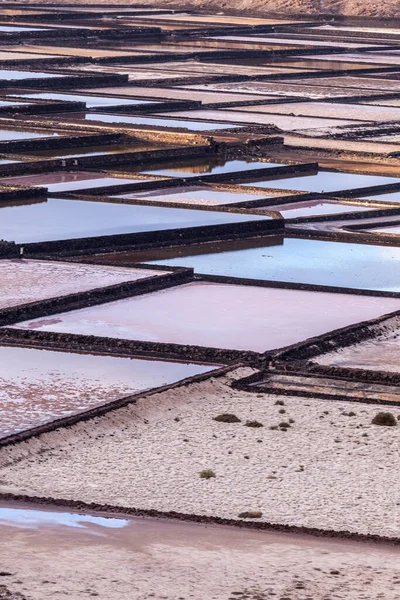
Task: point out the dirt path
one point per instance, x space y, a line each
55 554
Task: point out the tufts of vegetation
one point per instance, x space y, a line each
227 418
250 514
384 418
253 424
207 474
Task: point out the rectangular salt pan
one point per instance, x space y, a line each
59 219
325 181
39 386
24 281
219 316
355 266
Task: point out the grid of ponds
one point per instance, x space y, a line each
188 192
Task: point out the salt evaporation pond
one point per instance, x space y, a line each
325 181
219 316
69 181
380 353
357 266
24 281
38 386
194 170
59 219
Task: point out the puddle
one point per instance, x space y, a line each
325 181
192 195
91 101
219 315
64 181
38 386
24 281
173 123
358 266
59 219
32 519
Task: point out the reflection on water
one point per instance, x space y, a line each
358 266
28 518
38 386
325 181
175 123
219 316
208 168
59 219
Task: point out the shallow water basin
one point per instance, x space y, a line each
91 101
38 386
356 266
64 181
59 219
24 281
154 122
286 123
219 315
315 208
208 167
206 196
325 181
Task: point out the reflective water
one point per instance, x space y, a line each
175 123
219 316
28 518
59 219
358 266
7 135
193 195
314 208
326 181
394 229
64 181
230 166
91 101
9 75
38 386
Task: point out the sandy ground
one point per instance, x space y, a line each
366 8
330 470
24 281
143 559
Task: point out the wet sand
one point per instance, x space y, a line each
141 559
